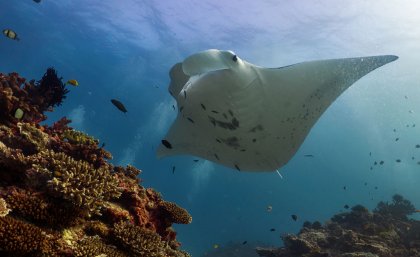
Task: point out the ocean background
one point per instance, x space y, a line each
124 49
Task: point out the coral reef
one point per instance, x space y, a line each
387 231
59 195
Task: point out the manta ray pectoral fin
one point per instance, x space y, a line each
206 61
178 79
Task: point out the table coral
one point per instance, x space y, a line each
59 195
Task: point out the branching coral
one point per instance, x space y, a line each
400 208
79 182
37 208
34 136
143 242
94 247
21 238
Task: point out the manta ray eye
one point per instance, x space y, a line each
235 58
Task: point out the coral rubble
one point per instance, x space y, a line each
59 195
387 231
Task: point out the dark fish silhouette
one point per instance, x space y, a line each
398 160
381 162
166 144
273 229
308 155
119 105
244 242
173 169
37 1
196 160
346 206
294 217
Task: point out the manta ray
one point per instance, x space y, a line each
252 118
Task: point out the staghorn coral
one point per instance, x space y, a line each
94 247
174 213
143 242
34 137
22 238
79 182
37 208
4 210
400 208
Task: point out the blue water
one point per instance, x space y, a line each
124 49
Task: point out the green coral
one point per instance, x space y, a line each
78 137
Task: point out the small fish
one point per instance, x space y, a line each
11 34
215 246
406 97
37 1
397 139
417 146
412 158
381 162
237 167
269 208
294 217
173 106
344 187
371 168
203 106
244 242
273 229
375 163
365 183
185 94
72 82
166 144
346 206
191 120
173 169
417 211
376 188
119 105
395 130
398 160
370 153
195 160
103 145
308 155
156 86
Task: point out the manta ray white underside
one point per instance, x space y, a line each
252 118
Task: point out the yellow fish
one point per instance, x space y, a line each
215 246
10 34
72 82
